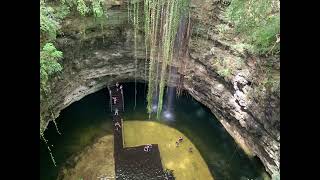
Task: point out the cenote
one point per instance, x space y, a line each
90 118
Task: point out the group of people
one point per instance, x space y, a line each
147 148
118 87
180 141
117 125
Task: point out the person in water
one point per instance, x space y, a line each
180 139
147 148
177 143
116 112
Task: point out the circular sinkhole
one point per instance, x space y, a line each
86 122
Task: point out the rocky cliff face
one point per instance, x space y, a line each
248 111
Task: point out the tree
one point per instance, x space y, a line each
258 22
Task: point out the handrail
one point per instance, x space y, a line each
110 98
122 100
122 126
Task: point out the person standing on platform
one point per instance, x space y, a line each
117 86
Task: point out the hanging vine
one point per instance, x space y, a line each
147 36
136 30
161 21
46 141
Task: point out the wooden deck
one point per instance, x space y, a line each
132 163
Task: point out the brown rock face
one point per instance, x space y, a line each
105 56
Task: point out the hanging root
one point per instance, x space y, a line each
162 19
44 139
234 152
128 5
55 123
136 26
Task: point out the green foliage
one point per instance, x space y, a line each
265 38
223 28
241 47
97 8
50 19
49 56
51 16
48 22
226 66
82 7
62 11
258 21
224 72
49 65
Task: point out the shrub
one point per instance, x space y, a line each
258 22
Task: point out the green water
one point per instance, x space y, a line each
84 121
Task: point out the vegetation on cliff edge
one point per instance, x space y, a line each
51 16
258 22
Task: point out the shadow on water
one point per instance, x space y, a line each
89 118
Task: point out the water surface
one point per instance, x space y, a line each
89 118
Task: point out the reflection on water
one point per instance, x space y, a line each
89 119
